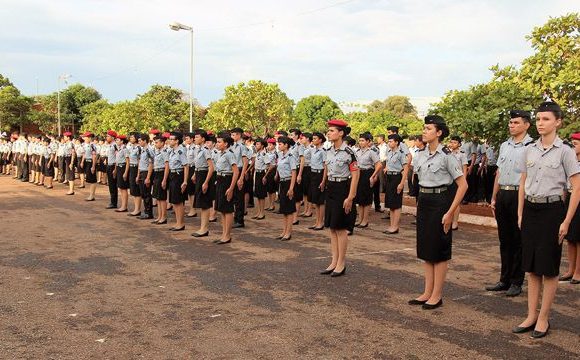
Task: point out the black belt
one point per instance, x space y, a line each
434 190
224 174
260 171
393 173
509 187
317 171
159 170
201 170
88 160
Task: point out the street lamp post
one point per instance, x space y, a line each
175 26
61 77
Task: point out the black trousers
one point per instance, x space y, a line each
377 194
146 193
489 179
239 205
472 194
112 183
510 240
61 169
25 169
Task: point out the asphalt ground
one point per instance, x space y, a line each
81 282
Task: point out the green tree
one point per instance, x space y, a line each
397 104
255 106
14 107
377 122
312 112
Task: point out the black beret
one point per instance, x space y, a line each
456 138
548 106
520 113
434 119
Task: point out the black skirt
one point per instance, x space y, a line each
158 192
248 187
101 164
574 229
271 186
69 173
306 176
298 193
334 216
364 193
122 184
392 199
203 200
133 186
433 245
260 190
90 176
174 184
221 202
315 195
287 205
47 169
541 252
191 188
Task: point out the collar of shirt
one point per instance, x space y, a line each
525 140
342 147
557 143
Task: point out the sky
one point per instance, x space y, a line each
354 51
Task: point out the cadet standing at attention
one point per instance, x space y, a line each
134 153
369 167
341 178
437 169
287 169
260 167
69 161
89 161
504 203
144 176
176 179
542 215
317 180
121 172
111 161
573 236
203 180
160 167
227 173
455 147
240 153
191 151
395 177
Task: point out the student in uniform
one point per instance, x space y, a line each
249 179
49 156
306 142
121 172
111 160
226 167
573 236
144 176
191 151
397 167
455 147
504 203
133 154
297 151
176 177
542 215
286 174
202 178
89 163
210 144
103 148
270 176
241 157
369 166
260 166
341 177
79 166
160 167
69 161
437 170
316 192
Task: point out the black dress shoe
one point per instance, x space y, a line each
337 274
237 225
521 330
111 206
565 278
540 334
500 286
416 302
72 193
575 281
311 227
279 237
145 217
296 222
427 306
327 272
213 220
162 222
391 232
286 238
200 235
350 232
117 210
514 290
220 242
318 229
177 229
362 226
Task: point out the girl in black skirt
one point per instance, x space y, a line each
48 157
317 180
369 168
121 172
306 141
341 178
159 191
437 170
202 178
271 186
286 168
573 237
260 166
542 216
176 179
227 173
396 170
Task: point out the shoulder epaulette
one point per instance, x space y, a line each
529 142
401 151
179 152
568 143
461 151
446 151
349 150
423 149
232 151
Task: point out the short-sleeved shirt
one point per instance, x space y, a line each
318 157
339 162
68 148
224 161
469 148
437 169
112 154
261 157
367 158
79 150
271 158
177 158
239 151
308 155
203 154
145 158
480 150
383 148
396 159
121 156
286 163
159 159
511 155
191 151
89 149
297 151
460 156
548 170
490 154
134 152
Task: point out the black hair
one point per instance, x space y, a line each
201 133
345 130
261 141
286 140
394 129
350 141
367 136
307 135
125 140
456 138
282 132
237 130
396 137
177 136
225 136
159 137
296 131
382 136
144 137
552 107
319 135
444 130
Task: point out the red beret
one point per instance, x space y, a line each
271 141
154 131
575 136
67 133
166 135
209 132
87 133
112 133
337 122
122 137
